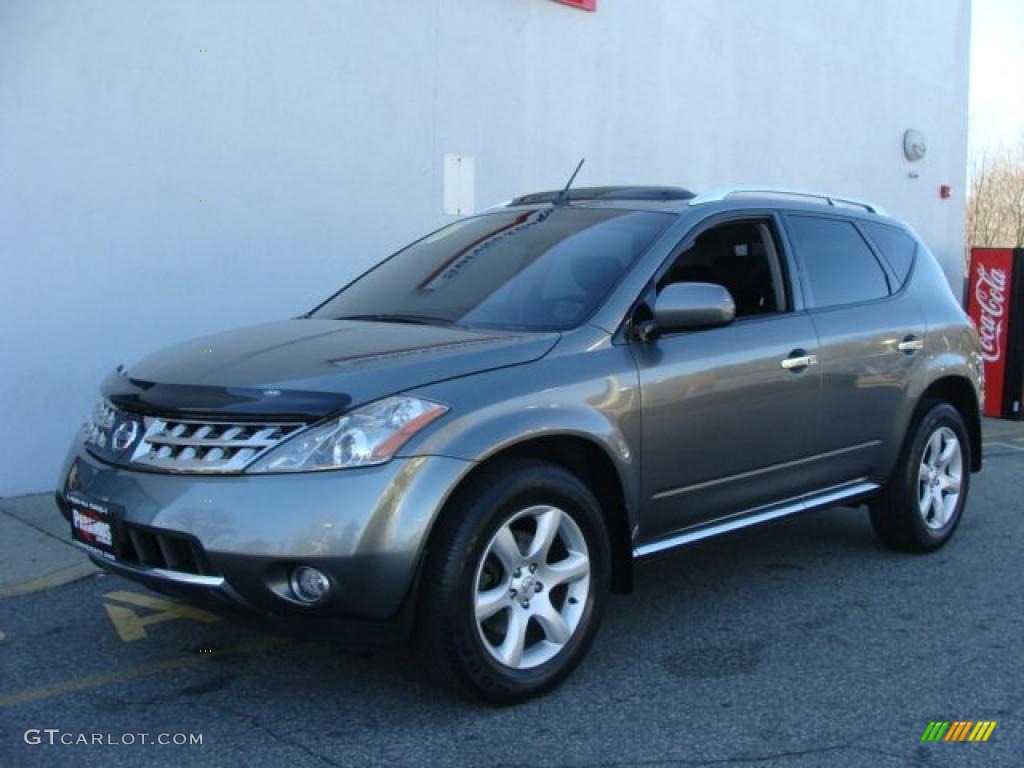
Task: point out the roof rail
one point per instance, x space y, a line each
717 195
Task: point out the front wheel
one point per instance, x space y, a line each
515 581
921 505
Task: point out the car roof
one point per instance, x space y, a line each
684 202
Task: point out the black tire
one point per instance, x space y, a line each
896 513
448 636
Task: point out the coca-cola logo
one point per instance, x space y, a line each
990 294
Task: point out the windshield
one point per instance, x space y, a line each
544 269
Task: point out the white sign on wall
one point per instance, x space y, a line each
459 185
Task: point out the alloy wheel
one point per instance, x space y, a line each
939 478
531 587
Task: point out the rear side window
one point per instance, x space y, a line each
896 246
837 263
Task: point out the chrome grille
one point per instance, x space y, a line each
203 446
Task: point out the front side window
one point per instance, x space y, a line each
545 269
739 255
838 265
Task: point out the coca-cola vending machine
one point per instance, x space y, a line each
995 302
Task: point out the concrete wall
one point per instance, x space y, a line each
317 131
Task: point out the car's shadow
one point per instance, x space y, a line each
699 613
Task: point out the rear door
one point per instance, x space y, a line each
871 334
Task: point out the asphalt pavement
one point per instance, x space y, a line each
800 644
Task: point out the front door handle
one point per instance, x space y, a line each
798 360
911 344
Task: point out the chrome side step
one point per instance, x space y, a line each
785 509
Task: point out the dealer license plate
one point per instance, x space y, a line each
93 526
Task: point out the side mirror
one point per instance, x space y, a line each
688 307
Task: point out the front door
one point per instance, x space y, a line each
728 412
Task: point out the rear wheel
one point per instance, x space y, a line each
922 504
515 582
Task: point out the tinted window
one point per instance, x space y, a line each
544 269
838 265
735 255
896 246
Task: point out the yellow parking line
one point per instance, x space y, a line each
131 626
50 580
77 684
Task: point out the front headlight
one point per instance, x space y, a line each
364 437
96 430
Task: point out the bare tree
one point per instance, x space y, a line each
995 203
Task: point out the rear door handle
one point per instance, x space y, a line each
911 344
798 360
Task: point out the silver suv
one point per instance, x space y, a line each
473 442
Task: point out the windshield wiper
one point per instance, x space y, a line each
413 319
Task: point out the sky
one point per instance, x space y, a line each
996 112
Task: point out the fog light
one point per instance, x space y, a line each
309 584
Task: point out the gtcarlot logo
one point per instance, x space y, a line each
958 730
55 736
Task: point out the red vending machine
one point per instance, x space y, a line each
995 302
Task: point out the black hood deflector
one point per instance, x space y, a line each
205 402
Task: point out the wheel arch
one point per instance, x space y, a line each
960 393
591 463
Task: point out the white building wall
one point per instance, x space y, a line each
317 132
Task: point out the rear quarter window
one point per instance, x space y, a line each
896 246
838 265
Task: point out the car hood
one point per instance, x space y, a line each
311 367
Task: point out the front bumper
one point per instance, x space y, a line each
243 534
